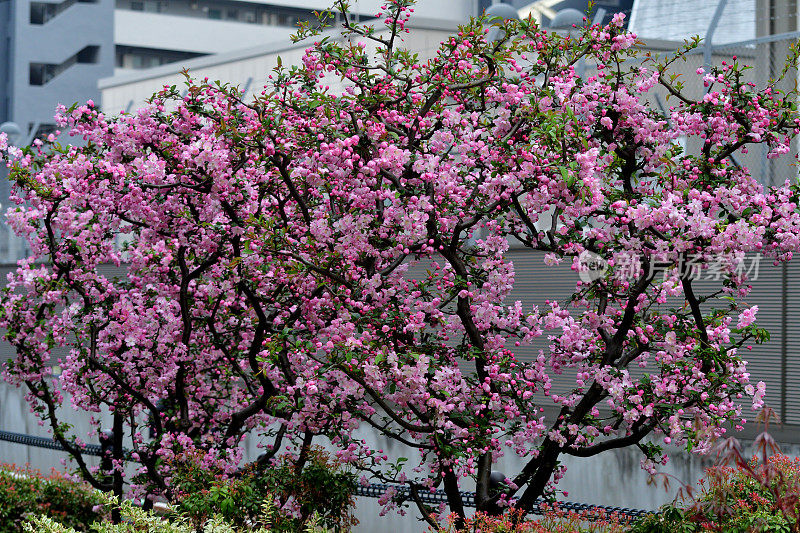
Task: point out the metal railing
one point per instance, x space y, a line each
376 490
373 490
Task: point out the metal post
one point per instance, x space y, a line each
151 425
497 482
712 27
106 449
784 337
117 453
111 453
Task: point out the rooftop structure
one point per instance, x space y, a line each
150 33
247 68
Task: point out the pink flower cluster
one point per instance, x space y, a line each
309 264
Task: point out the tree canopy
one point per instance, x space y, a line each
313 260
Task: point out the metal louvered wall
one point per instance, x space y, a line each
765 360
792 390
534 284
7 352
775 362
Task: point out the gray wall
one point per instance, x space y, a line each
613 478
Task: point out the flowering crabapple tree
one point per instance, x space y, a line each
315 261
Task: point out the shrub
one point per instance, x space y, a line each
137 520
753 496
554 520
25 491
322 487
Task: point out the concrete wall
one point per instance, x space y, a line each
613 478
187 26
455 10
169 32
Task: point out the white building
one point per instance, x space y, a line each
247 68
150 33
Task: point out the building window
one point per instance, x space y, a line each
215 14
90 54
133 57
137 6
40 73
152 6
41 13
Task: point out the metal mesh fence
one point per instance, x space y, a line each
766 59
758 33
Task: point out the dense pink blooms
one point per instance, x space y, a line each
314 262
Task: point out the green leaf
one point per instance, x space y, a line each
565 175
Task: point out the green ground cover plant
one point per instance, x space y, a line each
138 520
756 498
740 494
320 487
553 520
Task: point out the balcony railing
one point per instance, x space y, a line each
42 13
43 73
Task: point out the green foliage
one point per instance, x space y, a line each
677 520
25 491
750 497
321 488
553 520
136 520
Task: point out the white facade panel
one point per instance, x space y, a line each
189 34
456 10
249 68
